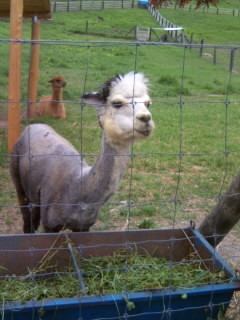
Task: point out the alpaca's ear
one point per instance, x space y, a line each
93 98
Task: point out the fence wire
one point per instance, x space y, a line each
177 175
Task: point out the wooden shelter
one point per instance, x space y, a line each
17 10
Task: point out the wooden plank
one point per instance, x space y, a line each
41 8
14 79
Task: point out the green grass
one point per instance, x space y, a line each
214 29
229 3
123 271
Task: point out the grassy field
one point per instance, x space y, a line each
179 172
229 3
213 29
192 155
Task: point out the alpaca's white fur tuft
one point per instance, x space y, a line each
129 85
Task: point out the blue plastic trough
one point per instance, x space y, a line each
19 253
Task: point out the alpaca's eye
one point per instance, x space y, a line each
117 104
147 104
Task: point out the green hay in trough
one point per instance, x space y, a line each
124 271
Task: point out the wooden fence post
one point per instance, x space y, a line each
14 77
191 41
55 6
231 63
215 55
176 35
201 48
182 37
68 6
34 68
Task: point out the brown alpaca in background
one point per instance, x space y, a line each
51 106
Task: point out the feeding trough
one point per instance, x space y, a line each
21 255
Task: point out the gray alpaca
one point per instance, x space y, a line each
55 185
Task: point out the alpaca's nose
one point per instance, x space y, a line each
146 117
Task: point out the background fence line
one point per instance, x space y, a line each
77 5
204 9
177 35
73 5
180 36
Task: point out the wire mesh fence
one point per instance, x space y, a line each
176 175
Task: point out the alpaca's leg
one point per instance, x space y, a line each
53 230
22 198
81 230
36 217
27 212
63 112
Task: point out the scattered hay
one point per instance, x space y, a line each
124 271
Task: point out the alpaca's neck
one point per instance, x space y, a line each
56 95
104 177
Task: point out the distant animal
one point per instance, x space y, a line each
55 184
51 106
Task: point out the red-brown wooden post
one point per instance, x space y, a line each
34 68
14 78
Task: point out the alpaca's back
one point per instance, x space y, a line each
44 160
48 171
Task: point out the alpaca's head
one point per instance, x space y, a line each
123 107
58 82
